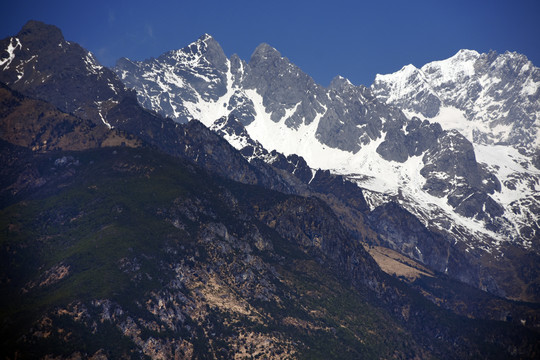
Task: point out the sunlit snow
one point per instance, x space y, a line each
14 43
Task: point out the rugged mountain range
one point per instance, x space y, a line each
474 184
127 234
489 98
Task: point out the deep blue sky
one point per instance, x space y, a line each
355 39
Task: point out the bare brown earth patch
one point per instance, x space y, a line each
393 263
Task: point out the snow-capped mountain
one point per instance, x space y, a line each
489 98
482 197
492 100
45 66
199 82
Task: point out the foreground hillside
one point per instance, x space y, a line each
127 252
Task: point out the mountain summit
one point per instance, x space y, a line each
31 67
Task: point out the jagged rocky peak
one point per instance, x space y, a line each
344 88
34 35
182 80
287 92
238 69
44 39
400 82
459 60
127 65
268 69
393 88
339 82
206 47
406 71
264 52
41 61
515 62
35 30
236 62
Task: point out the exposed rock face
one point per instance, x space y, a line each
451 170
323 237
355 118
291 88
337 185
403 232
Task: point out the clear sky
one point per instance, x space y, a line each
355 39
